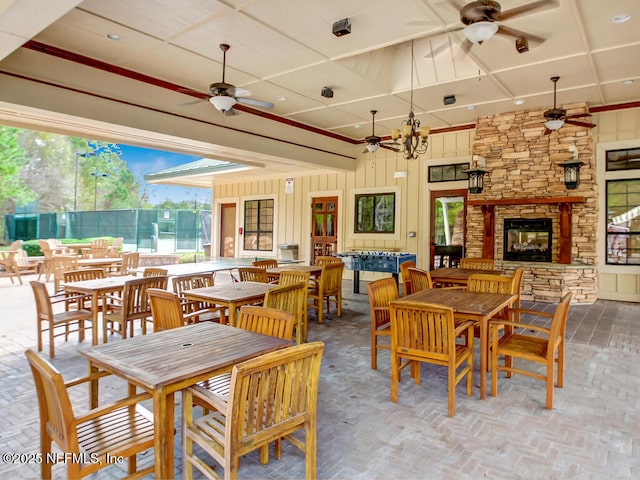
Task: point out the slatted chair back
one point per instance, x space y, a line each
166 309
269 263
329 289
61 264
406 278
8 263
155 272
189 281
322 260
47 253
98 248
22 262
271 396
253 274
129 264
267 321
422 332
290 298
288 277
477 263
516 288
15 245
419 279
115 247
83 274
122 428
48 321
489 283
120 313
534 343
381 293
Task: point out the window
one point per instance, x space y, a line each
258 225
375 213
625 159
448 173
623 221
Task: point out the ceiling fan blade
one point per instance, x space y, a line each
232 112
512 32
255 103
386 147
443 31
529 8
578 115
580 124
466 45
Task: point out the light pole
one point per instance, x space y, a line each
75 188
95 187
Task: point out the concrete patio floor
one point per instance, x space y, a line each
593 431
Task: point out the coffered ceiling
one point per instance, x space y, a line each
58 63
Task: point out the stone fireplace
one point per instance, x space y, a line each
525 182
527 239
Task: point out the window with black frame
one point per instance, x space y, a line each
375 213
258 225
623 209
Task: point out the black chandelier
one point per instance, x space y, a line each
412 136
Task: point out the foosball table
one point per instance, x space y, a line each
375 261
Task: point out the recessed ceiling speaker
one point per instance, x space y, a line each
326 92
449 99
342 27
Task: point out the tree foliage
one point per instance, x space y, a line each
13 189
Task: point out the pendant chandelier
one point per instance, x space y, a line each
412 136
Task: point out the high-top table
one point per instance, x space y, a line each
165 362
476 306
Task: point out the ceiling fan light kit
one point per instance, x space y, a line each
479 32
554 124
223 102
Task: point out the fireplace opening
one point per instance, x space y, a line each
527 239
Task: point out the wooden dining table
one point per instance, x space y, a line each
314 270
231 296
476 306
165 362
456 276
97 288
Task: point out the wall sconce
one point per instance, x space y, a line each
571 173
476 175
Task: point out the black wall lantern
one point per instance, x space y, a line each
571 173
476 179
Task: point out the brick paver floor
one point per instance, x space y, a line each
593 431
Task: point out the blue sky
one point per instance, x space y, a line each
142 161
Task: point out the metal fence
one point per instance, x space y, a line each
144 230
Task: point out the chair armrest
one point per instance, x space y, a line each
455 287
113 298
205 395
80 380
463 326
531 312
525 326
110 407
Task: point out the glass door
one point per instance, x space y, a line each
448 227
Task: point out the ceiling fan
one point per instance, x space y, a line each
225 96
557 117
374 142
480 23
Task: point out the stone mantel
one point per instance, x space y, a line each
565 206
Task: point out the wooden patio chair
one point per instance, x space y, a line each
406 278
381 293
290 298
287 277
419 279
9 267
46 268
48 320
477 263
23 264
155 272
115 248
80 276
59 265
523 341
269 263
128 265
282 387
167 311
422 332
328 289
120 429
98 248
203 311
253 274
119 313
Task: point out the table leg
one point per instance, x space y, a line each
356 281
93 386
484 326
94 317
232 314
163 413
